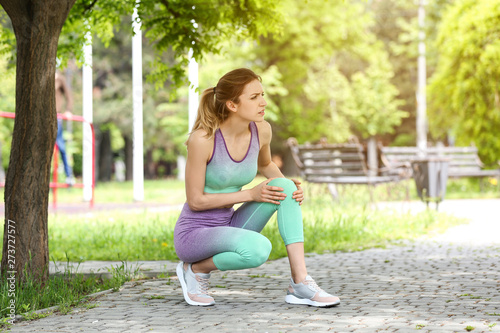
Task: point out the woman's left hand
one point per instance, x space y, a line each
299 194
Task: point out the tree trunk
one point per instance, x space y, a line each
129 157
2 171
105 157
149 170
37 25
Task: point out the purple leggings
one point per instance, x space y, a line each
232 237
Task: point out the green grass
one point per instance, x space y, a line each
65 290
328 226
350 227
347 225
112 236
168 191
472 188
171 191
465 188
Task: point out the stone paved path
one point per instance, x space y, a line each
446 284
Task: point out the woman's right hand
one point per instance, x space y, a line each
267 193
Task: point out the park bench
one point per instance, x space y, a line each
338 164
463 161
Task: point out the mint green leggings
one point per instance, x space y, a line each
232 237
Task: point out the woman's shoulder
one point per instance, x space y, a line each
265 131
200 139
264 127
199 135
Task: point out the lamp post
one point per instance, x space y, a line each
138 137
88 117
421 96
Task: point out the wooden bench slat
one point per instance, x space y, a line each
358 180
334 173
464 161
332 164
335 164
323 154
472 173
333 161
457 169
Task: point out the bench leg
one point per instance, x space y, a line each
333 191
407 190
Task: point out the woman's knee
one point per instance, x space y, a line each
259 253
287 184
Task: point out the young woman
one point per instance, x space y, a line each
229 143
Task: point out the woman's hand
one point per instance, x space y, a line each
267 193
299 194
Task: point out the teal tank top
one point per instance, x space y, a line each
224 174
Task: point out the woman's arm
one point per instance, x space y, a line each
266 166
199 152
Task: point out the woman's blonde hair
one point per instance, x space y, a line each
212 110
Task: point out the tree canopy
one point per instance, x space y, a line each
464 93
179 26
336 77
330 68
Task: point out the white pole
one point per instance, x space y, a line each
88 116
193 85
372 156
138 149
421 95
192 108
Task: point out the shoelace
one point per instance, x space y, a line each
313 284
202 285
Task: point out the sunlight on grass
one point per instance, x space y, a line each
345 225
328 227
353 226
112 236
65 290
168 191
350 224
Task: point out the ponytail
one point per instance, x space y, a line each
211 112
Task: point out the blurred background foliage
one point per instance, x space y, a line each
464 92
331 69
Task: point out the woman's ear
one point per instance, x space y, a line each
231 106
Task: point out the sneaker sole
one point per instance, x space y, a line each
180 274
291 299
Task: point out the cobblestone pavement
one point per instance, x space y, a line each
426 286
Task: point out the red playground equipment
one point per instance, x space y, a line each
54 185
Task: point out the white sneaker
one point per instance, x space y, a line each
309 293
194 286
70 181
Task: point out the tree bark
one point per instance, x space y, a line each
149 170
105 157
37 25
129 162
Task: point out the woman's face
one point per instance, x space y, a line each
252 103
